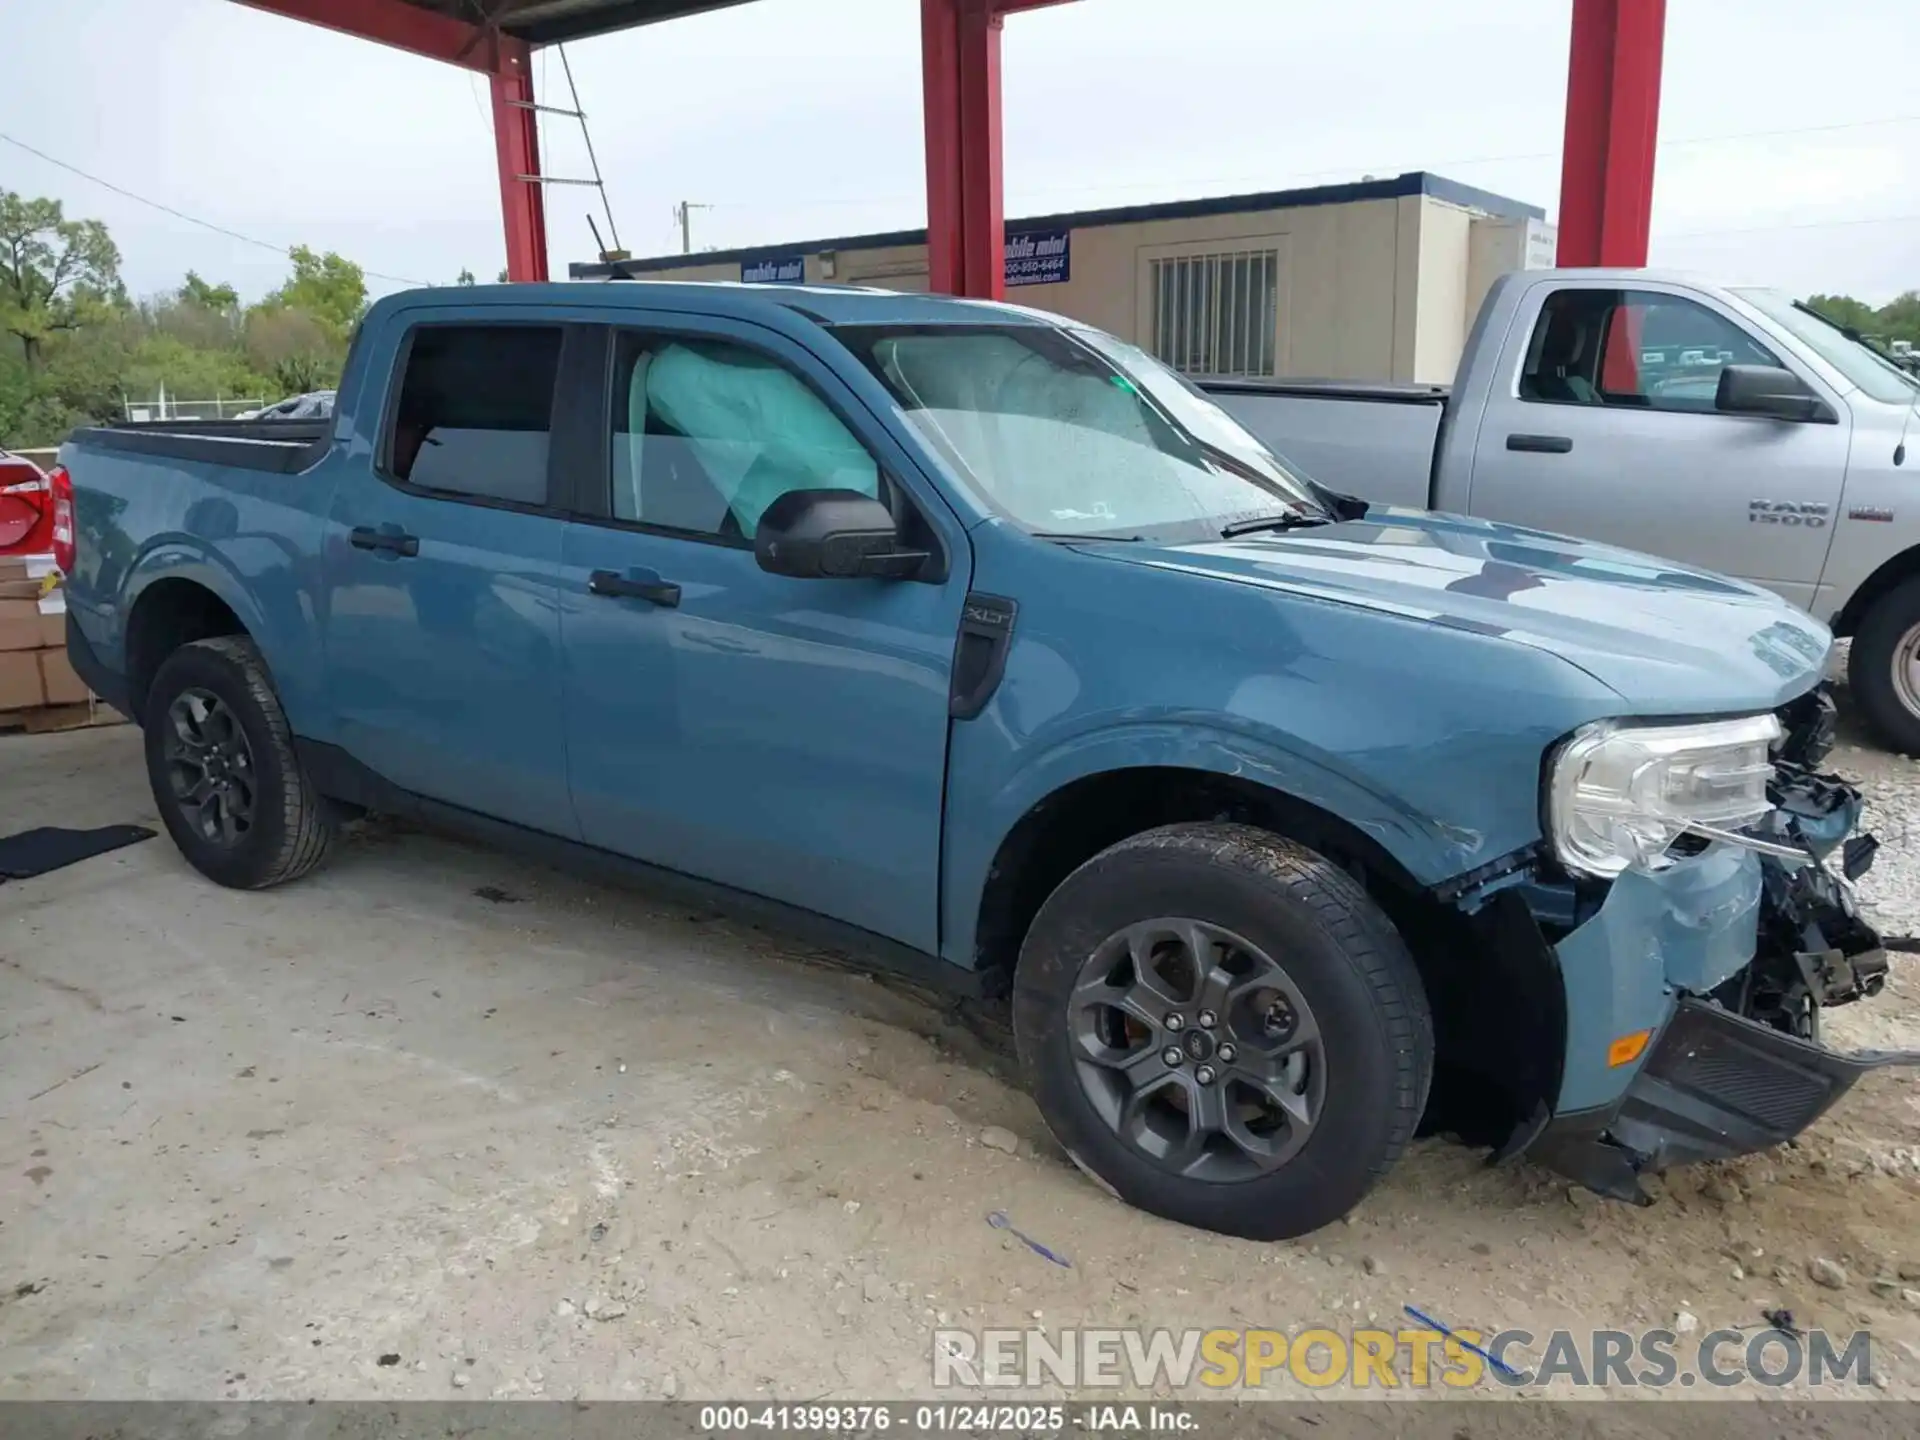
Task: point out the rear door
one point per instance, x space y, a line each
441 560
785 737
1604 427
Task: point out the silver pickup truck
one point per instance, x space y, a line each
1727 428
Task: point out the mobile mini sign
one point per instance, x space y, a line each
778 270
1042 257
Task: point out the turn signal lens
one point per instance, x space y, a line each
1628 1048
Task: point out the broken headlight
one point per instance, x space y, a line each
1619 795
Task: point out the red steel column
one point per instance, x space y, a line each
983 222
516 137
1613 121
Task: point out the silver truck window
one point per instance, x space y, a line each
475 409
1633 349
1876 375
708 434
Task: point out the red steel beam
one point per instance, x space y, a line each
405 27
501 58
1613 123
966 196
516 138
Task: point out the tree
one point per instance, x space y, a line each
218 299
465 277
55 273
298 350
1844 310
326 287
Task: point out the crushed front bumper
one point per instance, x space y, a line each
1714 1086
1740 950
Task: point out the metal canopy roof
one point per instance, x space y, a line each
548 22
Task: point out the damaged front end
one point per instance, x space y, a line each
1693 994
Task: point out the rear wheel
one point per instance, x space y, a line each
1220 1026
226 780
1883 668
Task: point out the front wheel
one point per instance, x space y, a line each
1219 1025
226 780
1883 668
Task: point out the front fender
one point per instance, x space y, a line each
980 821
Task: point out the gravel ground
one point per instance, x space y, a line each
532 1137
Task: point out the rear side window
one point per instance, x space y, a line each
475 411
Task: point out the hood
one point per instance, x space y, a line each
1668 640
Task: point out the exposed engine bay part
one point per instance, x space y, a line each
1814 948
1741 1068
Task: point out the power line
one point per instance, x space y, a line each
181 214
1797 225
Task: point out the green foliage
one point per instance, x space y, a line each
56 274
219 299
465 277
331 290
74 349
1898 319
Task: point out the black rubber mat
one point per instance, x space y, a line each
35 852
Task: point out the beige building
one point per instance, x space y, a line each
1377 280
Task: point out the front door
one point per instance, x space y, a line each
440 570
1610 433
785 737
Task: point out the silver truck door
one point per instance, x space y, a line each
1602 425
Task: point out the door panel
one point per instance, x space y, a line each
786 737
438 594
444 666
1610 434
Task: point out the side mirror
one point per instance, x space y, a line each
1768 390
832 535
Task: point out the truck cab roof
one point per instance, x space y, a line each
826 304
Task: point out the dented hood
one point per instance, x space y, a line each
1667 639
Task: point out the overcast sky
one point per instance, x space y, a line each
1790 152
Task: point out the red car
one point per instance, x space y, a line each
26 507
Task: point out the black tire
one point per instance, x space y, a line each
1877 642
290 826
1344 957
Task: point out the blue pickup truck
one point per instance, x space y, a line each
981 644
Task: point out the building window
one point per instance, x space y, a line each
1217 314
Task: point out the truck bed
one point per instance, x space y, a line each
281 446
1374 440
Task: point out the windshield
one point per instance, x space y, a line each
1072 433
1871 371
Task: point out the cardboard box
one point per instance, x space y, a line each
20 588
14 567
20 685
23 633
53 630
62 686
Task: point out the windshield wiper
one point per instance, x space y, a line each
1291 520
1082 535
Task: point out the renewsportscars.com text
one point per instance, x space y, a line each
1414 1359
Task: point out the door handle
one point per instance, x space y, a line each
1541 444
364 537
641 585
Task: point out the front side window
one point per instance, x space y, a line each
1633 349
708 434
1074 433
475 410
